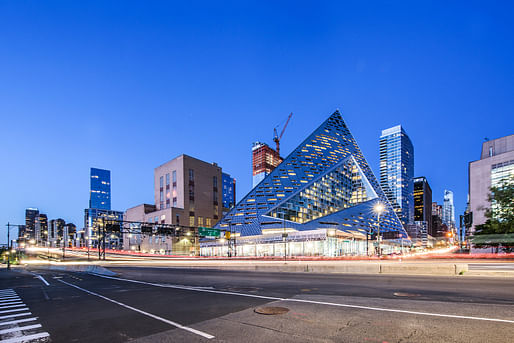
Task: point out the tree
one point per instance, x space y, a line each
498 230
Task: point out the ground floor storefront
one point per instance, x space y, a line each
322 242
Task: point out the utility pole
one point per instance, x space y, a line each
284 236
8 247
63 242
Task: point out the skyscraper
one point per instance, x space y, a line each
397 171
100 190
423 202
31 215
99 209
264 160
448 209
41 229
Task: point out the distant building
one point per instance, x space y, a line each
30 223
397 171
228 185
94 220
100 189
423 202
41 228
418 233
99 211
496 163
69 234
448 210
56 232
438 228
264 161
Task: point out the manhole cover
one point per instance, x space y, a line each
403 294
271 310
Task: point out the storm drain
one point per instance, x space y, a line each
271 310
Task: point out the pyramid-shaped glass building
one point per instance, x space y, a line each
325 183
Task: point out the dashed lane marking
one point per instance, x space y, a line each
196 289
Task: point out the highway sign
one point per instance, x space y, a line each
208 232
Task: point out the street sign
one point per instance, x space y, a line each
208 232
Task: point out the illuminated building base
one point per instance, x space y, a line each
320 242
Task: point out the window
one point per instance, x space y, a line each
174 202
191 175
167 179
215 181
174 178
191 221
161 181
191 192
200 221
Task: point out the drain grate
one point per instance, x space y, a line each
271 310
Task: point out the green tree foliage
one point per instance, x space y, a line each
498 230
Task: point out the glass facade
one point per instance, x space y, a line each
229 191
448 209
397 171
341 188
325 182
100 190
500 173
93 221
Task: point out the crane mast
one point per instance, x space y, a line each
276 137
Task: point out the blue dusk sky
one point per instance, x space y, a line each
127 86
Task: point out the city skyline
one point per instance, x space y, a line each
269 73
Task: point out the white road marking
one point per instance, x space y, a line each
9 298
26 338
10 294
20 328
18 321
10 302
11 306
41 278
311 301
200 333
16 315
15 310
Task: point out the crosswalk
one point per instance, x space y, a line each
16 321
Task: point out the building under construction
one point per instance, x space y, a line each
265 158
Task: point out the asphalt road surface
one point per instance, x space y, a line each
143 304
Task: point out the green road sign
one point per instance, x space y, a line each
208 232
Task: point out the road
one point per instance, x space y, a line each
146 304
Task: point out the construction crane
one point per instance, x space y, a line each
276 137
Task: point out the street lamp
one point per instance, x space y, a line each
378 209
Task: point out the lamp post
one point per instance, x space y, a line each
378 209
9 243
